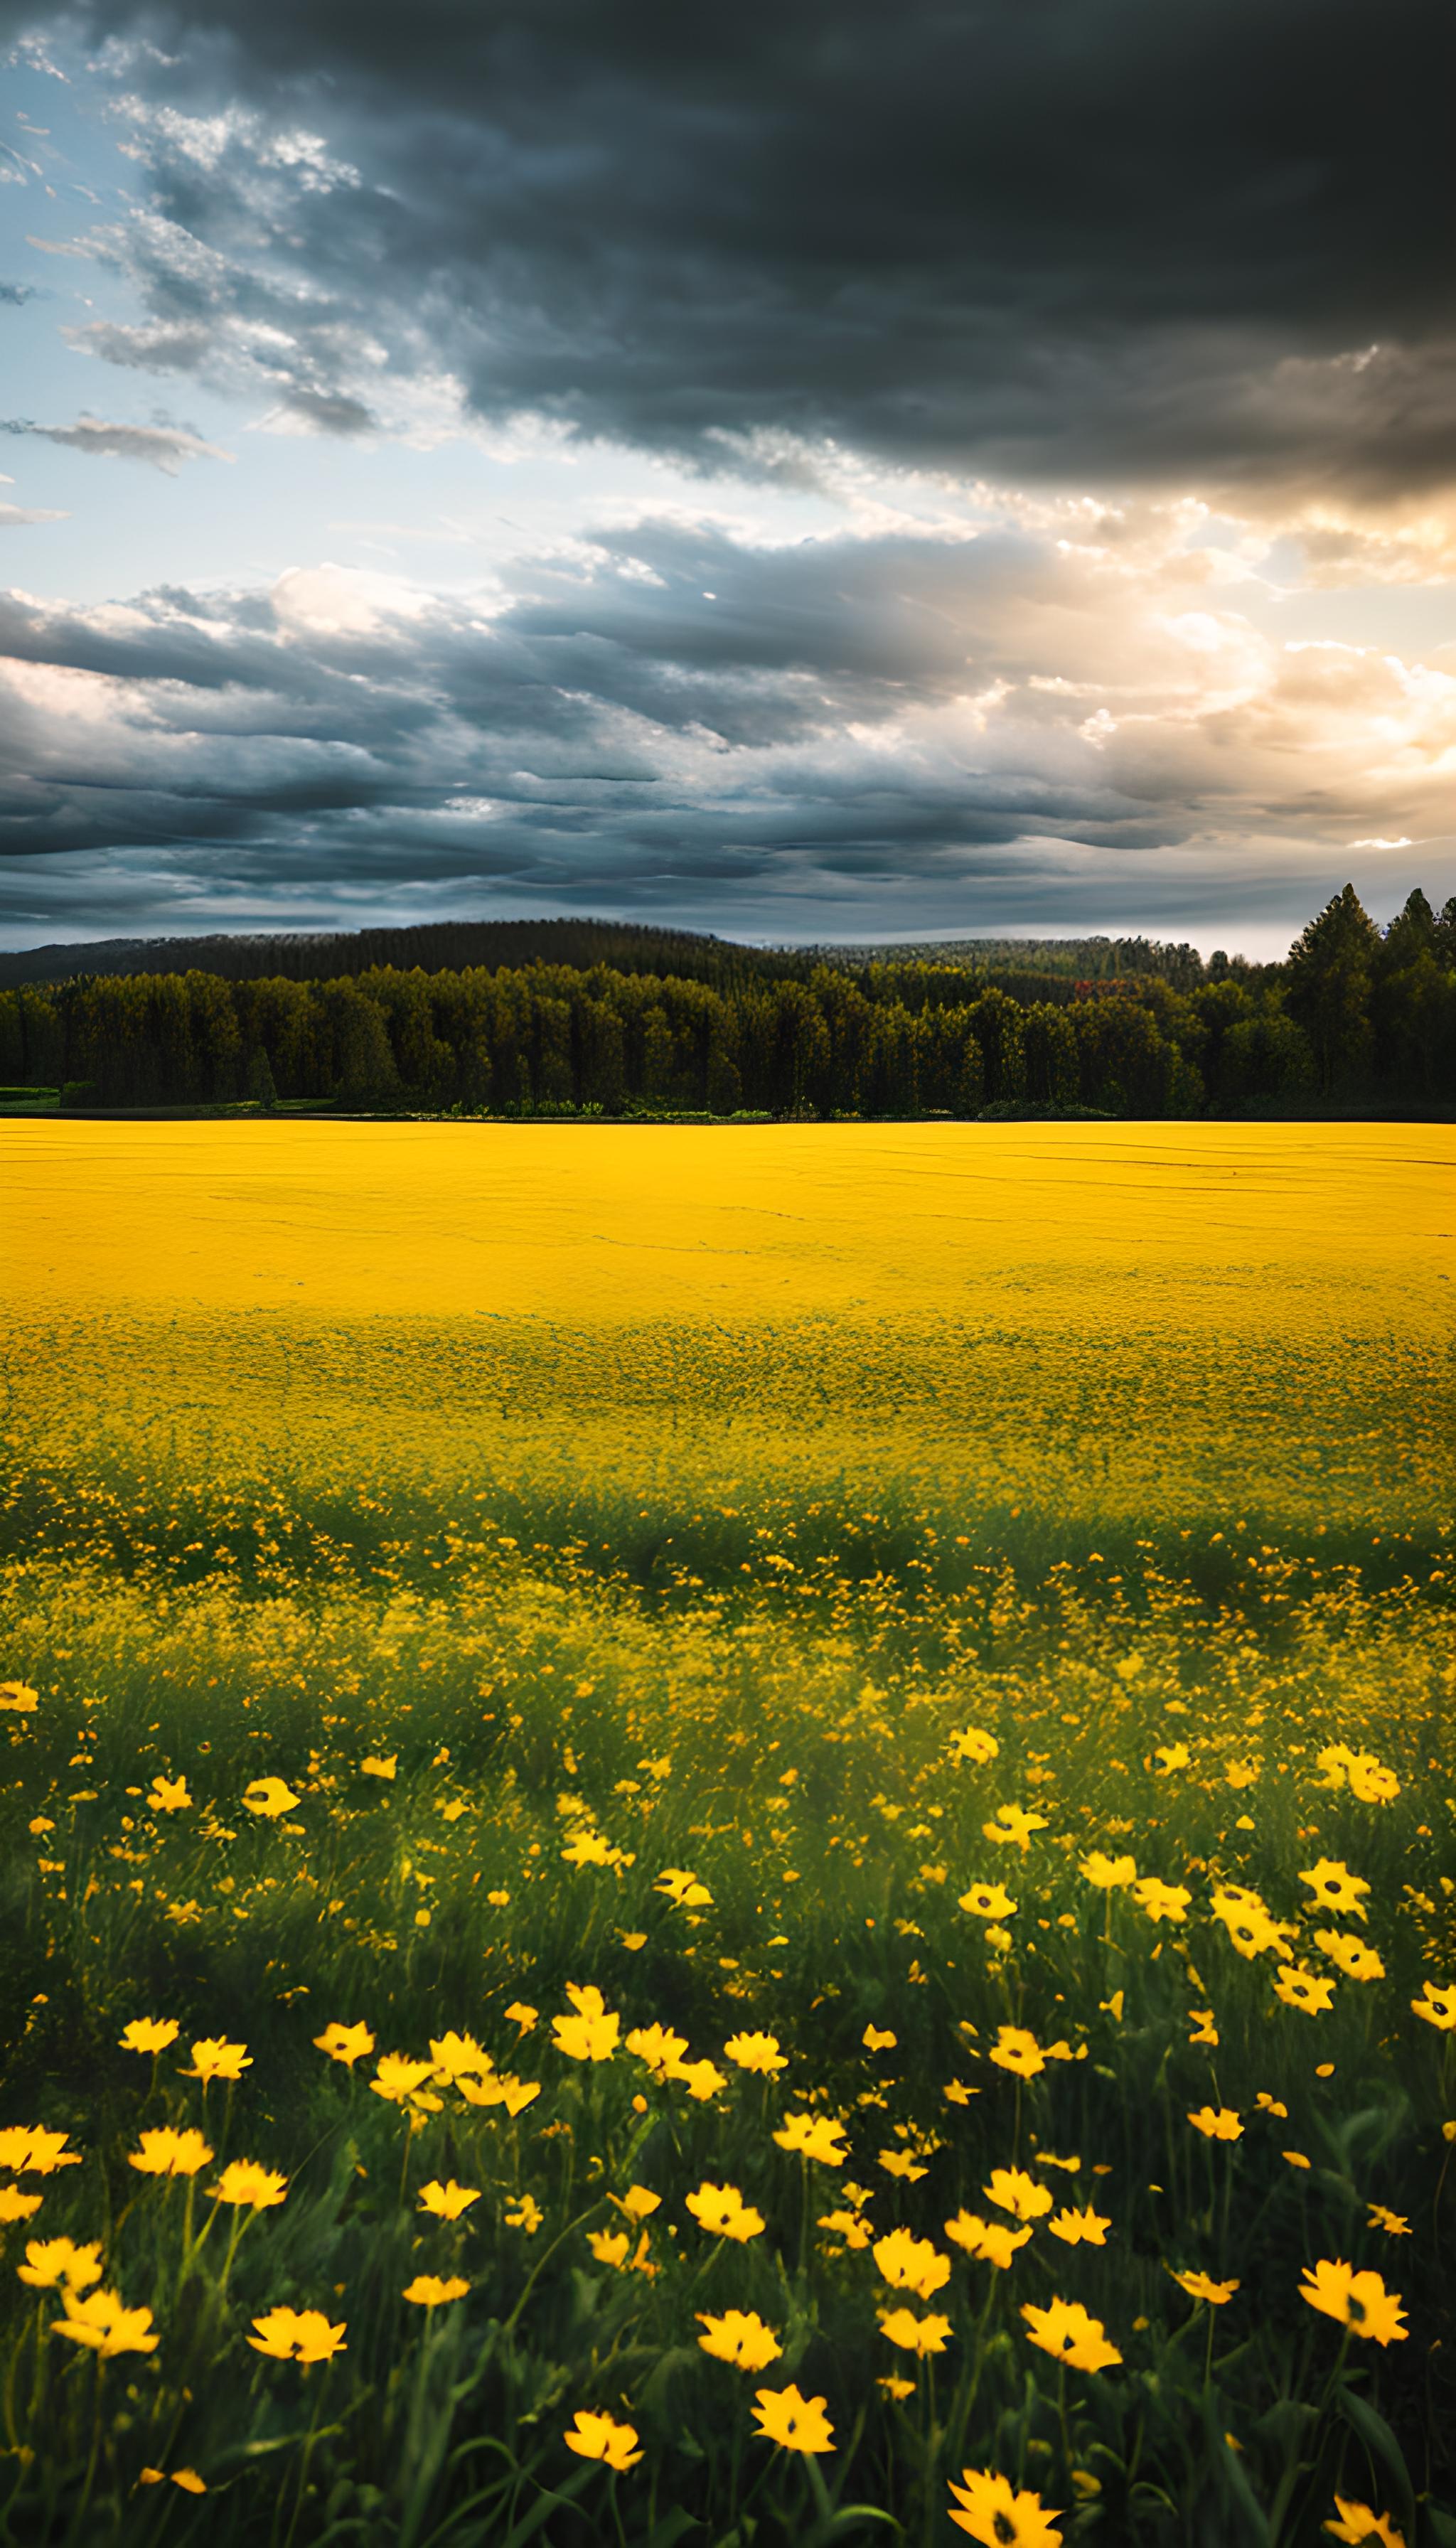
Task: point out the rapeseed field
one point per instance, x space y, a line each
736 1836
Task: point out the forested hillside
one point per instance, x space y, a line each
1356 1017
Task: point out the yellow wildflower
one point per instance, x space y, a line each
1358 2301
1333 1887
601 2437
346 2043
755 2052
659 2048
1299 1988
918 2335
1066 2332
398 2079
814 2136
269 1798
1357 1961
458 2056
1013 2191
1085 2227
1014 1826
975 1744
1358 2522
591 2033
912 2264
298 2335
1107 1873
793 2422
243 2181
993 2511
1017 2051
105 2325
1199 2287
447 2200
1371 1782
165 2152
739 2336
214 2057
682 1888
721 2209
992 2241
55 2263
29 2149
638 2203
148 2033
1217 2122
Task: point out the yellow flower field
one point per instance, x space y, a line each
728 1836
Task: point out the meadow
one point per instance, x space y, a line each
737 1836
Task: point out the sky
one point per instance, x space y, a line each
810 471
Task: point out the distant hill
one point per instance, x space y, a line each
446 945
628 947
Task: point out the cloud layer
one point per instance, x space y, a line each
873 727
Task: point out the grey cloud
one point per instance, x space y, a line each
141 349
808 746
588 713
12 515
157 446
14 296
1087 239
329 410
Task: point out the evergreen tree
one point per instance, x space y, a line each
1413 1004
1330 976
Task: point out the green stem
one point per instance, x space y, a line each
90 2477
307 2455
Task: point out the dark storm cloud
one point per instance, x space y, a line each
1105 238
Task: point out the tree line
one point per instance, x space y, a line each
1356 1016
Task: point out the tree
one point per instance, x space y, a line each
364 1065
1414 1003
1330 976
261 1087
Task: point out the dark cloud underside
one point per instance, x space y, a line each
1064 236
